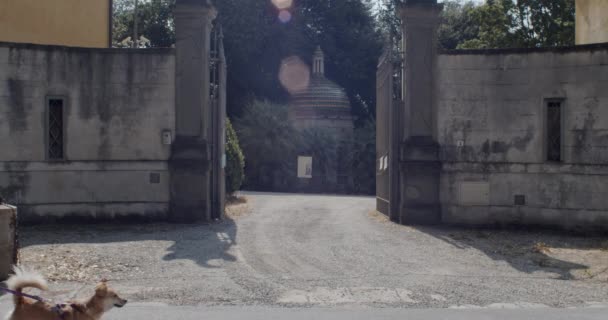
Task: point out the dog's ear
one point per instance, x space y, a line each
101 289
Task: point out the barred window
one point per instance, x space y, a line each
554 131
55 133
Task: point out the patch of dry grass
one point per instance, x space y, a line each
378 216
237 206
541 247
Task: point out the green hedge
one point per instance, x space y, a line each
235 161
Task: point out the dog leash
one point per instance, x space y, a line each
57 308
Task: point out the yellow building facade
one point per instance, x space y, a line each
591 21
79 23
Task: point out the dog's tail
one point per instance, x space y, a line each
24 279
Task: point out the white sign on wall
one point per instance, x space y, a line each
304 167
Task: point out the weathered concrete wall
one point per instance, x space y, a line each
8 240
591 21
491 128
117 105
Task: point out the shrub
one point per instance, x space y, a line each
363 158
235 161
269 143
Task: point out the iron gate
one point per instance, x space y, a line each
217 101
388 103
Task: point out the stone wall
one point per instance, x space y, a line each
8 240
117 105
491 125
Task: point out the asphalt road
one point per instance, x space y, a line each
306 251
156 312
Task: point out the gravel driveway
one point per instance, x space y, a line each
311 250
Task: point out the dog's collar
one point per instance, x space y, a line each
58 309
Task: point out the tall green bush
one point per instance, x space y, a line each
322 145
235 161
269 142
363 158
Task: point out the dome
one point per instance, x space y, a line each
322 103
320 93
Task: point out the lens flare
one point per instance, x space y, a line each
284 16
294 74
282 4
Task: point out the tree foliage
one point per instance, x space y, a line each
388 21
235 161
269 143
362 158
458 24
497 23
155 21
524 23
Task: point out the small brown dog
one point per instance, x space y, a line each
93 308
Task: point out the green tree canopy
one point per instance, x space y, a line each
458 24
497 23
524 23
362 158
269 143
155 21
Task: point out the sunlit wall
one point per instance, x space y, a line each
82 23
591 21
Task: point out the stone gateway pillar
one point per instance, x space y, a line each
190 163
419 166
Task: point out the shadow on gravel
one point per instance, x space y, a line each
200 243
201 247
569 256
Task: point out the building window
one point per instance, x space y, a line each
55 132
554 131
